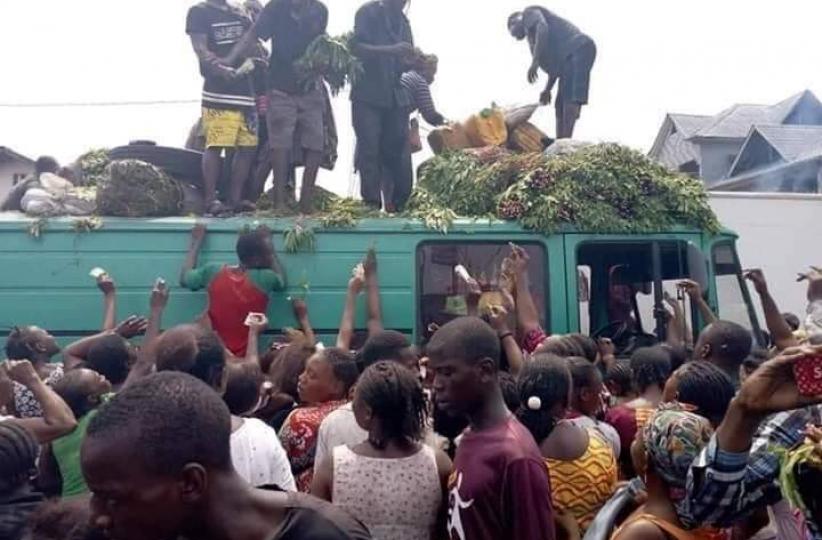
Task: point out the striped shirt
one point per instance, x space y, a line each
418 93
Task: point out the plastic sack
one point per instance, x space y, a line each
487 128
528 138
451 137
516 116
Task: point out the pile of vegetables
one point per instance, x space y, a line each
91 167
605 188
134 188
330 58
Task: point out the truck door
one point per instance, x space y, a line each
625 287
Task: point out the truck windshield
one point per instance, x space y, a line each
731 290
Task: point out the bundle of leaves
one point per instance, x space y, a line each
331 59
605 188
134 188
92 167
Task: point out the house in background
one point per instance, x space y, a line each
748 147
14 168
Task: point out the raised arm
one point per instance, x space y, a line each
499 321
106 284
372 283
346 333
276 265
198 234
777 325
57 419
694 290
527 314
145 358
256 327
301 314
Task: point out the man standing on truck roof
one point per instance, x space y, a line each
235 291
229 110
384 42
563 52
295 106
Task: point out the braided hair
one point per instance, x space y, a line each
395 397
544 383
18 456
650 366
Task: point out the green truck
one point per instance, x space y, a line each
45 276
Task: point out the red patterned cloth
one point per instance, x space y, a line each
533 340
299 438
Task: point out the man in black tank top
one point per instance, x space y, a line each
562 51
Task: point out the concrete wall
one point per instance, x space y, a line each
779 233
717 158
8 170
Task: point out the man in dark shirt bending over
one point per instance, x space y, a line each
563 52
500 486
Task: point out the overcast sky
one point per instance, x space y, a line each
654 56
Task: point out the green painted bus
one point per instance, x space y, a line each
45 280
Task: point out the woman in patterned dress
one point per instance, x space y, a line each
580 461
323 387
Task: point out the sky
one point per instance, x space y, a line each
654 57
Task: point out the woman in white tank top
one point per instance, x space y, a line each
391 482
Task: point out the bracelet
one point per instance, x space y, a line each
506 335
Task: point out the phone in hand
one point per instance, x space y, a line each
808 374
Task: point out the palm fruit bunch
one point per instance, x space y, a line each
134 188
539 180
513 204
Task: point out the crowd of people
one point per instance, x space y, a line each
491 429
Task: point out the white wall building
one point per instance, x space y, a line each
14 168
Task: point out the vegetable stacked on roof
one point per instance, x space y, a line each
606 188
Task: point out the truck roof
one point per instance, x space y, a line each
15 220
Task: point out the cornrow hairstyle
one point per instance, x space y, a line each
170 419
706 386
544 383
650 366
395 397
343 365
588 346
618 378
18 456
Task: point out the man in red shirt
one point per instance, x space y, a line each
235 291
500 486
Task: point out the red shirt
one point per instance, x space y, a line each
500 487
231 297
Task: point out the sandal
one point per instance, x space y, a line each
245 207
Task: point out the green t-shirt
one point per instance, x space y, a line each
265 279
66 451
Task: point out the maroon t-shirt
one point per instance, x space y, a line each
500 487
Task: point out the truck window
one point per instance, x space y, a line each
621 300
441 293
733 305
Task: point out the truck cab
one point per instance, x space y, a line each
600 284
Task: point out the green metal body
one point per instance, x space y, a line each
45 280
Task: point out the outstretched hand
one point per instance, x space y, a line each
533 73
519 260
198 233
159 295
691 287
757 277
132 327
106 284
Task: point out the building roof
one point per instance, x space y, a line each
736 121
672 147
792 142
7 154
